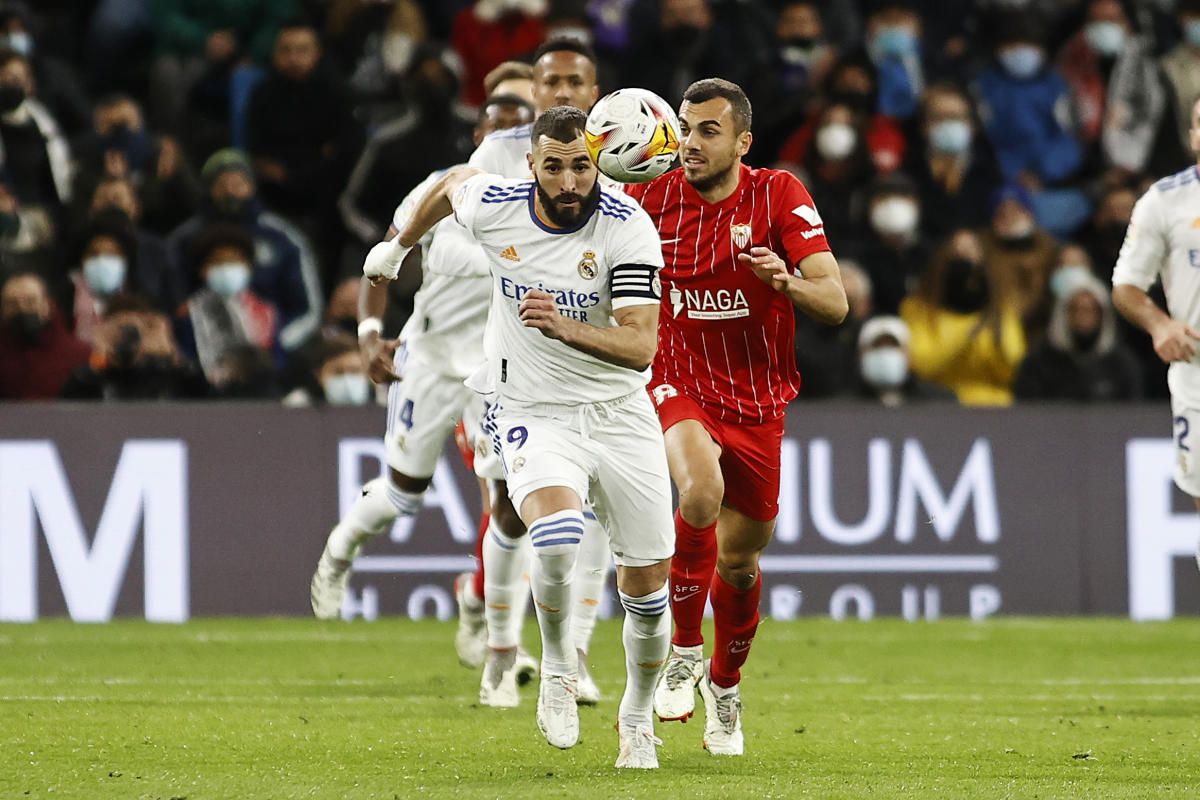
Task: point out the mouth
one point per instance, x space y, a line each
693 161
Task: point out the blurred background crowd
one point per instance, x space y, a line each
188 187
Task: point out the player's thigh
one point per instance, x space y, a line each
751 470
423 409
539 453
694 459
1186 434
631 490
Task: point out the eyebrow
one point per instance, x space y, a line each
705 122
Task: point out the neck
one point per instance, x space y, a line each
726 186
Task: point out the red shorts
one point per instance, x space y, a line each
749 452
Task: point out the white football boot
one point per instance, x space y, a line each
675 694
470 640
589 692
328 586
722 718
498 686
557 710
638 747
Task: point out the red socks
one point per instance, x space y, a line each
735 614
477 579
691 575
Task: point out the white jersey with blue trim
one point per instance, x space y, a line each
450 310
607 261
1163 240
506 153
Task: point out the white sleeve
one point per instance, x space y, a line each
636 258
490 156
467 200
1144 251
409 204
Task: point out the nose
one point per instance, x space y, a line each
568 181
691 141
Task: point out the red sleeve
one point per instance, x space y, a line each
798 226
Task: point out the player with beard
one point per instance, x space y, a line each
742 247
571 419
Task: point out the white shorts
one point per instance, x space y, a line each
1186 435
610 453
423 409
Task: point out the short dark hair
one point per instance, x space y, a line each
565 44
221 234
507 71
711 88
560 123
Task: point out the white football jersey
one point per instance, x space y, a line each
504 152
608 261
1163 240
451 307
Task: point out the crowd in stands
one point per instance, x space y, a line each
188 187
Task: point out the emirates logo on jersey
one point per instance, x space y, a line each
740 235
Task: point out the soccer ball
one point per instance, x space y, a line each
632 135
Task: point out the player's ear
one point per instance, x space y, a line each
595 94
744 140
529 161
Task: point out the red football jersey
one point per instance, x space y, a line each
725 338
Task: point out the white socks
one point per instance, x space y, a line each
505 562
591 574
555 539
371 514
646 636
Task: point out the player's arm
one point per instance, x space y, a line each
377 353
1137 267
384 260
630 343
817 290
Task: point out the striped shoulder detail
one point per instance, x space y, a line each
519 132
508 193
1179 179
617 209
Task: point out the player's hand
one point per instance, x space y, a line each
769 267
384 260
378 355
1176 341
539 310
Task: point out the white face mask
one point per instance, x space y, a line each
895 216
397 51
228 279
885 367
104 274
349 389
836 141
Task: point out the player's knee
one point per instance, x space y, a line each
700 500
647 607
555 538
739 570
406 502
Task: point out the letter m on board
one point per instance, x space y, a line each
148 493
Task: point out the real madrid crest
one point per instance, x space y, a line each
740 235
588 268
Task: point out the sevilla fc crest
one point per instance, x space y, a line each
740 235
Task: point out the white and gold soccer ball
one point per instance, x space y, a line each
632 135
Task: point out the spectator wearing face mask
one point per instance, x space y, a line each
851 83
1118 96
883 373
58 86
286 271
224 311
966 332
826 354
106 255
891 250
37 352
952 164
1082 359
338 376
893 44
157 278
835 169
783 91
1025 105
120 147
33 152
135 358
1017 248
1181 72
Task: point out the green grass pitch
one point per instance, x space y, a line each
275 708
